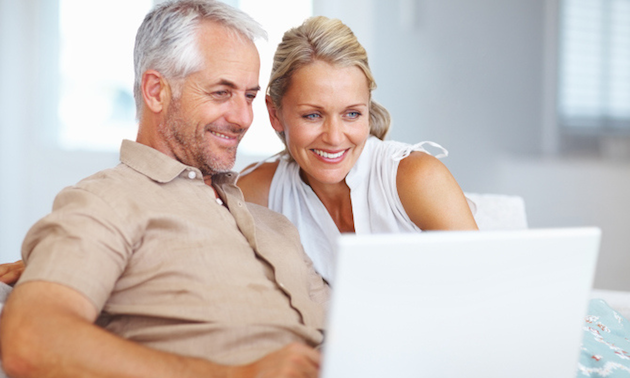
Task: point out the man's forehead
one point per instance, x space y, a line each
229 58
214 32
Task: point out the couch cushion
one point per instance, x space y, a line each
498 211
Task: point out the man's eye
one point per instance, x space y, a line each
221 94
251 96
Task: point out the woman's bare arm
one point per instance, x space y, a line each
431 196
255 185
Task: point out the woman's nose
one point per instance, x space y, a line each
333 132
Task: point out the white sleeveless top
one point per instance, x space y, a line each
376 206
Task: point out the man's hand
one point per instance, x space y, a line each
9 273
294 360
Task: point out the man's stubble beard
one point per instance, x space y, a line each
192 149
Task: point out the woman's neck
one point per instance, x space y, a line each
337 201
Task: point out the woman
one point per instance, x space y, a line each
337 174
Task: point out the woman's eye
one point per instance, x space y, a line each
312 116
353 114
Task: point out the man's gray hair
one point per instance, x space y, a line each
167 41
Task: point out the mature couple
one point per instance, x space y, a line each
162 266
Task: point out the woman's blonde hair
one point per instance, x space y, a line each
328 40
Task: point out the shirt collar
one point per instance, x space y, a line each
160 167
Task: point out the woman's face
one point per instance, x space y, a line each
325 120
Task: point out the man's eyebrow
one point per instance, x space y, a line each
232 85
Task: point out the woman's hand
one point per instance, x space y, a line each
9 273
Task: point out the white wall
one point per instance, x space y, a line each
578 191
467 74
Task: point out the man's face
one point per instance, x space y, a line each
205 123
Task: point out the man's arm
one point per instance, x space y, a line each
47 330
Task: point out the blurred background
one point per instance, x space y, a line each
530 97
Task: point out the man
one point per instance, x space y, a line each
180 275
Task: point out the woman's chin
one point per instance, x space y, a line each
325 178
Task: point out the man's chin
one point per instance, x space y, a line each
215 167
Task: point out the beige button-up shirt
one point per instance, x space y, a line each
172 268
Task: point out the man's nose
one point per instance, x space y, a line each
240 112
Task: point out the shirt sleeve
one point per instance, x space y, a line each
81 245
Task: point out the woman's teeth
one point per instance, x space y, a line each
328 155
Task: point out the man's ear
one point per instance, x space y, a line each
155 91
274 116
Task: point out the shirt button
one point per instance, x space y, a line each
240 204
192 175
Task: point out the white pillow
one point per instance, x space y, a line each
498 211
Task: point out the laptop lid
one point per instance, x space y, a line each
460 304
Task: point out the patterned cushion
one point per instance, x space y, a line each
605 348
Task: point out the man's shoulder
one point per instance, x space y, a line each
103 181
116 185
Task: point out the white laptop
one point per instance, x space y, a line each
460 304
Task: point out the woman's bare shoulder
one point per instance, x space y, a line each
430 194
421 166
255 184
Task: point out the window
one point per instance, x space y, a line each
594 70
96 108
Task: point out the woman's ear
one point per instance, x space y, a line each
155 91
274 115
